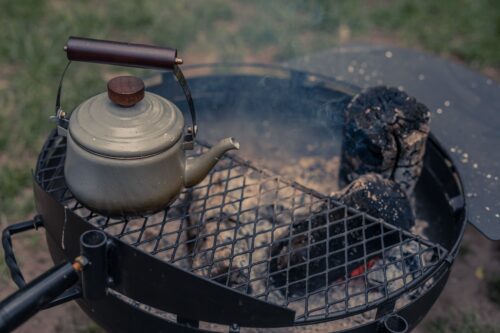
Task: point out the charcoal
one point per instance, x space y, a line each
313 254
385 132
378 197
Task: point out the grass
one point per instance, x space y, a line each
466 323
33 32
12 182
466 29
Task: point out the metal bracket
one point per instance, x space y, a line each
69 295
393 323
93 246
385 308
449 259
234 328
189 139
62 122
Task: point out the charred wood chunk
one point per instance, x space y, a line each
334 242
385 132
378 197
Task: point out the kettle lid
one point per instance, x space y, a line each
126 122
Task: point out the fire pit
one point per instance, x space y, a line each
218 259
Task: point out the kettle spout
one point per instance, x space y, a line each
198 167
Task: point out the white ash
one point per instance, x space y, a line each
250 241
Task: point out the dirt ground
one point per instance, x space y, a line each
465 294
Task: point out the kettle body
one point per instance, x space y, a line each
126 152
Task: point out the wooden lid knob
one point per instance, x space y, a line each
126 91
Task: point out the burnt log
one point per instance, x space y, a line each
385 132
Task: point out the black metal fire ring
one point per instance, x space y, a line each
252 311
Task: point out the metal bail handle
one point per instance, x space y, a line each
130 55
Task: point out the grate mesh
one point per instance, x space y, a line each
269 237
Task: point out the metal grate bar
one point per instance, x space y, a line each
269 237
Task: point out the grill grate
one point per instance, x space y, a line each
269 237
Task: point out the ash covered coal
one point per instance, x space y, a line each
385 132
332 245
379 197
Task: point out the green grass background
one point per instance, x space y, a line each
32 33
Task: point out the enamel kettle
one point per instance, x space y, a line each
126 147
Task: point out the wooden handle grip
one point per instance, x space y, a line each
118 53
